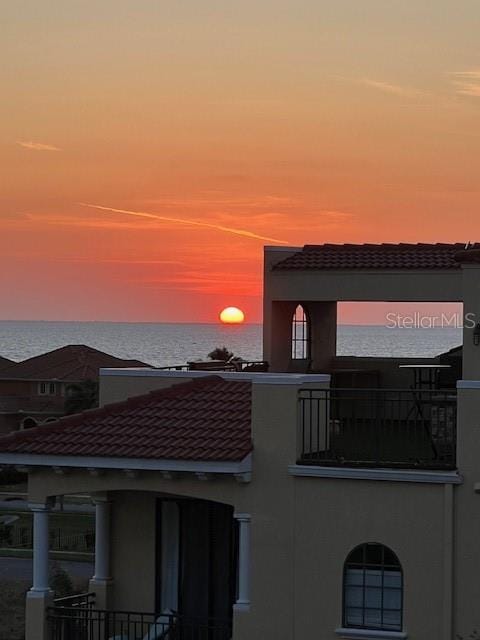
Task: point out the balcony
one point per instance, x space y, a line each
75 618
379 428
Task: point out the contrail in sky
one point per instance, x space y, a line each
193 223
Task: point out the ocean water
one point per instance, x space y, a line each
163 344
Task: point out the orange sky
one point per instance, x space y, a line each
230 122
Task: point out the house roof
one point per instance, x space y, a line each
376 256
73 362
4 362
207 419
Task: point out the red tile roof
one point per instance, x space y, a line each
207 419
74 362
374 256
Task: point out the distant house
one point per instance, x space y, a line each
33 391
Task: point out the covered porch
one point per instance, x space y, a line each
167 472
166 566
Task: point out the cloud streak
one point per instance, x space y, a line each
392 89
467 83
193 223
37 146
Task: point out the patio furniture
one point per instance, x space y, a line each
425 376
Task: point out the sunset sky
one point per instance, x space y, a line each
149 149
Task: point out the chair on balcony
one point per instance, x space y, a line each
160 629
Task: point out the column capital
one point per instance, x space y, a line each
42 506
242 517
101 498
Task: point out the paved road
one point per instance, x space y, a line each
21 569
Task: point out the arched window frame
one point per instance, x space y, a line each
381 567
301 334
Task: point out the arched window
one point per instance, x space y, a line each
28 423
300 335
372 589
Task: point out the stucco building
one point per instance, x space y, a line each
331 497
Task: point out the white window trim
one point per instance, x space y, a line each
370 634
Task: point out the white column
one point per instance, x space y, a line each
243 599
40 548
170 554
102 540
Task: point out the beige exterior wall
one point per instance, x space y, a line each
118 388
334 516
467 521
301 532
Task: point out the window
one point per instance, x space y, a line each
372 589
28 423
47 388
300 335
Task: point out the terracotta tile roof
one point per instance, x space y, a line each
74 362
204 419
374 256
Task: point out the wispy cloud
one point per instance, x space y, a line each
467 83
210 282
390 88
194 223
119 261
37 146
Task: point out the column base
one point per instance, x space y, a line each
103 590
36 605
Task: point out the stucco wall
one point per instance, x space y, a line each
334 516
301 531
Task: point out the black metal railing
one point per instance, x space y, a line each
77 623
399 428
79 600
21 537
73 617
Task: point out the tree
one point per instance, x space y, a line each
81 396
221 353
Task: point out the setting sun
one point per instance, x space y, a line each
232 315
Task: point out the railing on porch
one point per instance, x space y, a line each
392 428
86 623
74 620
79 600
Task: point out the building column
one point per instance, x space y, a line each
101 583
40 597
243 599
